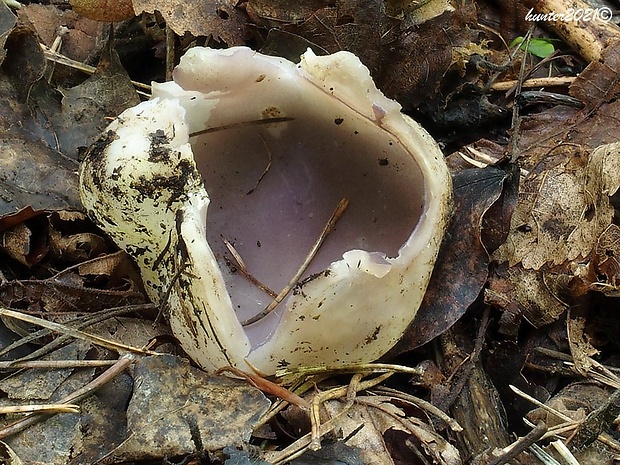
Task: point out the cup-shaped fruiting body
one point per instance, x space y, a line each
248 166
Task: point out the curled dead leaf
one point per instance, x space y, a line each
462 266
383 432
23 244
524 294
563 207
220 19
104 10
606 261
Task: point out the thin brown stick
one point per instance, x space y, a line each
240 124
319 399
170 35
78 324
56 57
533 83
254 280
242 268
231 248
72 398
538 403
267 168
267 386
320 430
516 120
333 219
76 333
520 445
55 364
422 405
40 408
350 368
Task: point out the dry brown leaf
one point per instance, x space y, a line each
462 267
419 58
415 12
39 145
272 13
44 238
174 410
369 439
117 270
327 27
17 245
580 347
217 18
7 22
82 38
24 64
541 133
521 293
104 10
379 418
558 235
64 431
67 292
606 262
575 401
134 332
600 81
33 175
37 385
88 106
177 410
352 25
76 247
564 207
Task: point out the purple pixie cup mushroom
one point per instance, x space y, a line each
283 215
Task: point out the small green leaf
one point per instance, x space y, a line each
541 48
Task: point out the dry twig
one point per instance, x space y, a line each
333 219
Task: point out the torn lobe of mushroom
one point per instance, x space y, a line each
278 146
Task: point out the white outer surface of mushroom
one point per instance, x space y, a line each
141 185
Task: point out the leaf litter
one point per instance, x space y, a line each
543 263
